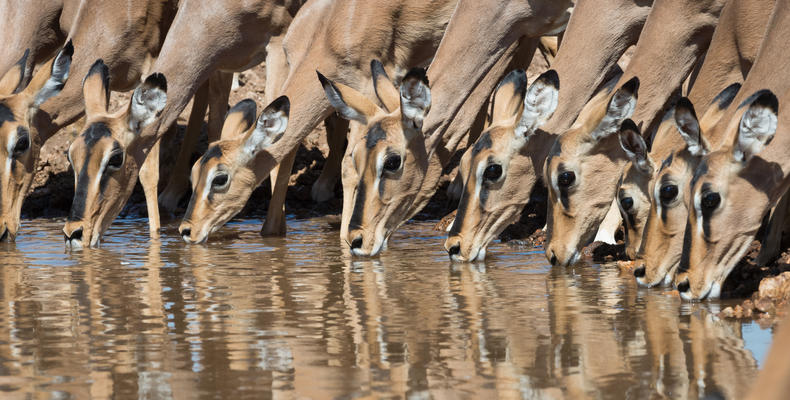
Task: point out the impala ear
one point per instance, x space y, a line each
269 129
349 103
415 99
634 145
621 106
14 80
539 103
758 125
385 90
508 100
239 119
57 76
148 101
688 126
96 88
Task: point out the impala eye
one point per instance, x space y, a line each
565 179
667 193
219 180
115 161
21 146
493 172
627 203
710 201
392 163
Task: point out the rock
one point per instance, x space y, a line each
727 313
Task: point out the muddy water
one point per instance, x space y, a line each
245 317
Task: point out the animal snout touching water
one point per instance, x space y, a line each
408 199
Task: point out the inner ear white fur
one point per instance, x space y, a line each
58 77
635 148
621 106
539 104
147 102
757 126
269 128
688 127
415 102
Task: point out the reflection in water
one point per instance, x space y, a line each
245 317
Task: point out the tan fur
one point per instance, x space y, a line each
732 50
571 229
747 190
329 46
101 32
596 37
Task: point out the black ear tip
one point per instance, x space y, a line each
629 125
283 104
247 107
518 77
158 80
550 77
376 66
417 73
324 81
767 98
68 49
632 85
99 67
685 104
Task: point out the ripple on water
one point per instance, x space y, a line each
263 317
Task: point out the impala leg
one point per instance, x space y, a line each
149 179
336 130
275 215
771 247
219 85
179 179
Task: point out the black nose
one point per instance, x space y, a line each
76 235
356 243
683 287
639 272
553 259
186 232
454 250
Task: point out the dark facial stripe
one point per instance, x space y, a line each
212 152
359 206
106 175
556 150
463 205
483 143
96 132
190 207
667 162
685 256
375 135
5 114
706 214
702 169
80 194
564 196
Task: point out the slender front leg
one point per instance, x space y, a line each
219 85
336 130
179 179
275 216
149 179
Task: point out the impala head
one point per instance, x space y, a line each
729 194
105 155
662 238
582 172
389 161
495 166
632 197
19 141
224 178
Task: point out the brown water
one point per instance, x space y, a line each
246 317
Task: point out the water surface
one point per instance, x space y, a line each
247 317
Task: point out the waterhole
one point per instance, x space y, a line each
251 317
